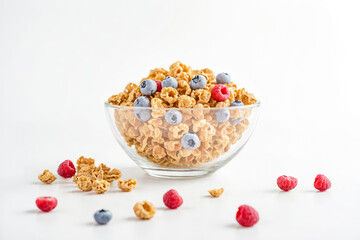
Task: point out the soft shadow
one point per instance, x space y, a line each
313 191
34 211
171 210
93 224
77 191
234 226
209 196
134 219
39 183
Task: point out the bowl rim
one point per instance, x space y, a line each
257 104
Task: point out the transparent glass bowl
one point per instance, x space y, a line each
155 145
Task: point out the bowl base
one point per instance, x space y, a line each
176 174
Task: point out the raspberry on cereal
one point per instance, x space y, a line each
286 183
46 204
172 199
220 92
159 87
247 216
66 169
322 183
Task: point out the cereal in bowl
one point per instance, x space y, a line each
191 132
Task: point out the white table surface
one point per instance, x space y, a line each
303 213
60 60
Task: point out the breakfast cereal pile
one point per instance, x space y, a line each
192 133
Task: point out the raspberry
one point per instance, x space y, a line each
322 183
66 169
159 87
220 92
247 216
172 199
286 183
46 204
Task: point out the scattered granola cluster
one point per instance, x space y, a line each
160 138
127 185
89 177
47 177
216 192
144 210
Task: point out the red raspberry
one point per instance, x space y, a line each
286 183
46 204
322 183
220 92
66 169
172 199
159 87
247 216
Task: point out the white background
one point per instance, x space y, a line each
60 60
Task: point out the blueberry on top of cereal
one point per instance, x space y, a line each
236 103
148 87
169 82
198 82
223 78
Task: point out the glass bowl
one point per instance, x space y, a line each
197 143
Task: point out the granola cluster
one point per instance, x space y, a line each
91 177
47 177
216 192
159 141
127 185
144 210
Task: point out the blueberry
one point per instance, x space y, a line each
102 216
142 102
148 87
142 114
198 82
173 117
222 115
223 78
236 121
169 82
190 141
236 103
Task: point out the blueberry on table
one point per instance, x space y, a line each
222 115
236 103
169 82
190 141
148 87
142 102
223 78
173 117
198 82
102 216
